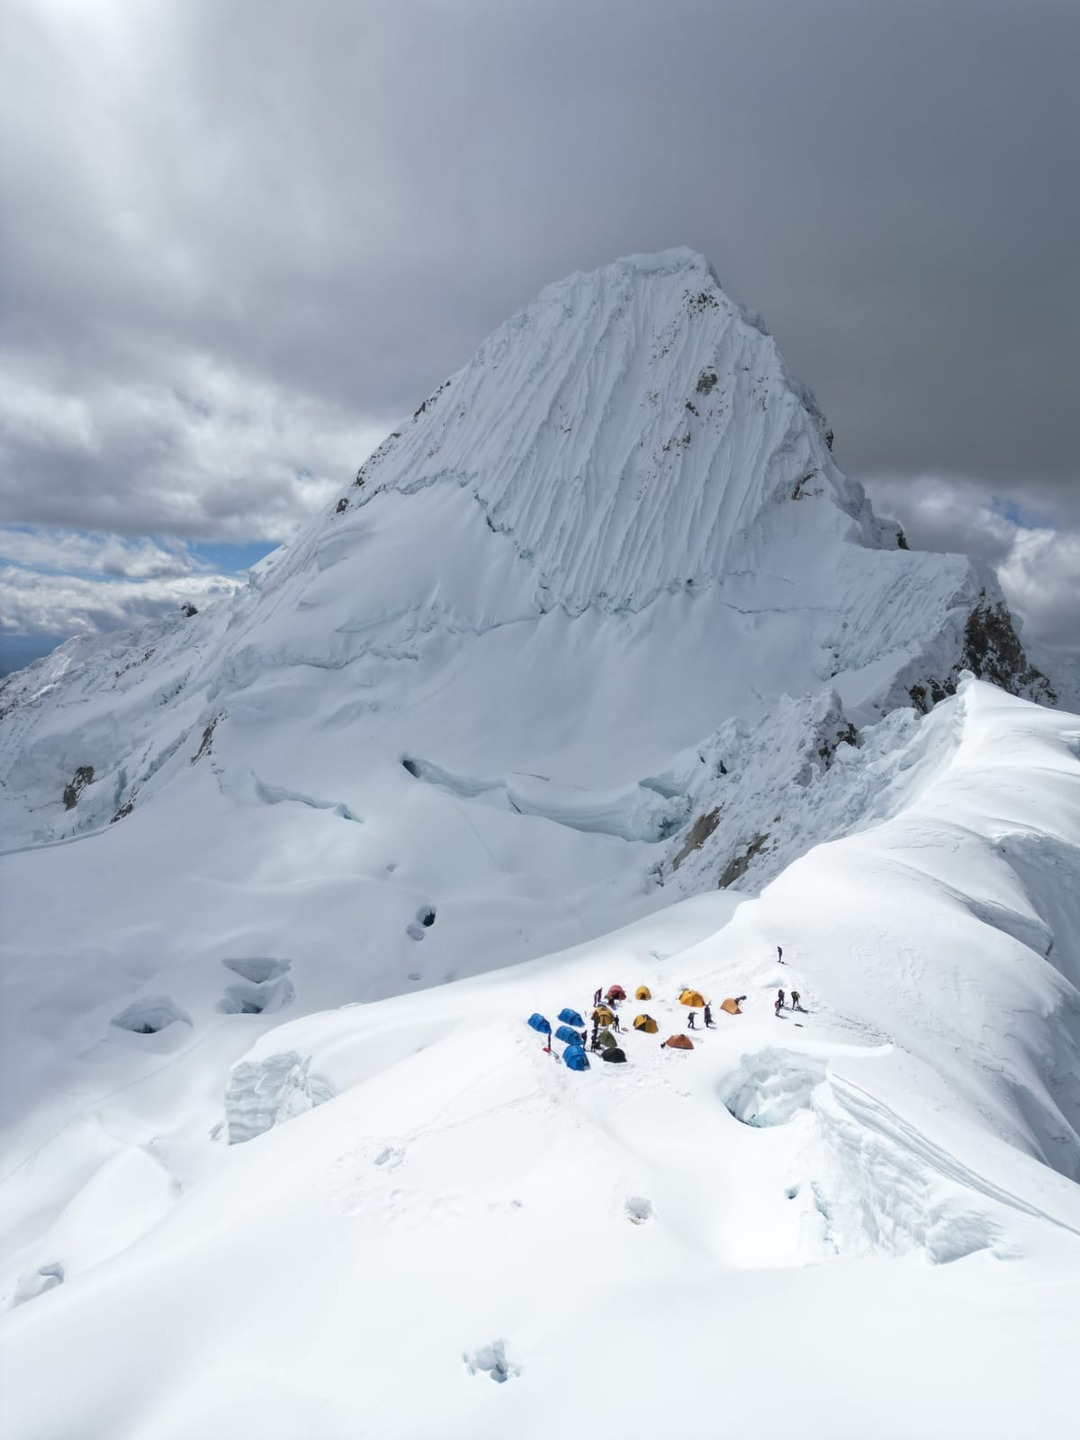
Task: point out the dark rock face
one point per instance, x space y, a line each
925 697
207 740
700 831
739 864
992 651
84 776
829 743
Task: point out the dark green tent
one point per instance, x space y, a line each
615 1055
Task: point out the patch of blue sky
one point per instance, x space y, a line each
79 553
231 559
19 650
1022 516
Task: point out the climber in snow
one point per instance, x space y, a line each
779 1003
780 953
795 997
691 1023
710 1024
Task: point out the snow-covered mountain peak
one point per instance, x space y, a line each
624 432
616 531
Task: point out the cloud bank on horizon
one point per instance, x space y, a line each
241 241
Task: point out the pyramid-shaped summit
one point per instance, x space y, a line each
625 432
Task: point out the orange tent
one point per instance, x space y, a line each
731 1006
679 1042
691 998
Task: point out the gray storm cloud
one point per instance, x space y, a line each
241 239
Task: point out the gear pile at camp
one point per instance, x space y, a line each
602 1035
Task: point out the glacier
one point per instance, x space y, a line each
600 669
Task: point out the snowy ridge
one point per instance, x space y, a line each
753 1194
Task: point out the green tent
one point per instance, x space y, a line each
607 1040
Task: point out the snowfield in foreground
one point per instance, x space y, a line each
861 1220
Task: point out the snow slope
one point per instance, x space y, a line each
767 1234
601 638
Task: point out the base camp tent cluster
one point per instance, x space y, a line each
571 1027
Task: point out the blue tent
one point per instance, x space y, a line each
570 1017
539 1023
574 1058
567 1036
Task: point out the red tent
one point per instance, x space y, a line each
616 992
679 1042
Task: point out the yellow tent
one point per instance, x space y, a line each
603 1016
691 998
731 1006
646 1023
643 993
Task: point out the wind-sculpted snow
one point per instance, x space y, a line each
266 1093
647 813
766 794
625 431
773 1086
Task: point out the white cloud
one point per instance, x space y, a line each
952 514
96 554
1038 566
36 604
1041 578
194 448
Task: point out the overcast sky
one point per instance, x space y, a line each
242 237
